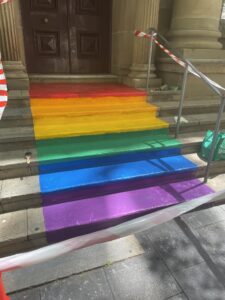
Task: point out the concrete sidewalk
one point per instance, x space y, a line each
182 259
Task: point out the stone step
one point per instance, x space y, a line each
16 117
175 96
13 162
21 231
12 135
191 107
197 122
18 94
11 66
164 96
52 78
18 103
17 80
25 229
24 192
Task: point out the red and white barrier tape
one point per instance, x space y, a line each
131 227
179 61
3 86
174 57
3 89
4 1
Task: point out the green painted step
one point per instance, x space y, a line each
55 150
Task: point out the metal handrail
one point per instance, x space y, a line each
221 93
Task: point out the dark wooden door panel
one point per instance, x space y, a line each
46 35
67 36
90 36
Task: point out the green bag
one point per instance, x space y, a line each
219 149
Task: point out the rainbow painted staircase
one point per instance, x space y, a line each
104 157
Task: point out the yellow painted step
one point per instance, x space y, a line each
87 100
74 109
60 127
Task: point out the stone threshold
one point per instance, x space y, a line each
95 78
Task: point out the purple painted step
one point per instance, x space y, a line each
91 192
78 217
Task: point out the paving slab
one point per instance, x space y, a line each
178 297
199 283
173 246
142 277
13 228
73 263
200 219
33 294
92 285
212 238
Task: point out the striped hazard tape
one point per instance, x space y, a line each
3 86
3 89
4 1
179 61
174 57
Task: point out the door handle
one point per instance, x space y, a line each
46 20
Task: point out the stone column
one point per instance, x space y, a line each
195 24
123 18
195 33
10 49
147 15
8 35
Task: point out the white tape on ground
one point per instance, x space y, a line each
122 230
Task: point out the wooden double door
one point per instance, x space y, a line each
67 36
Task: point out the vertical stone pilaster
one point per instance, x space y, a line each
147 15
8 35
10 47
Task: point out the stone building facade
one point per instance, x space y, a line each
191 26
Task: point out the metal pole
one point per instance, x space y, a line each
184 85
215 134
149 63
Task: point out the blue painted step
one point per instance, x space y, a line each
107 160
114 171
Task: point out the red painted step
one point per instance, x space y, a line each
74 90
